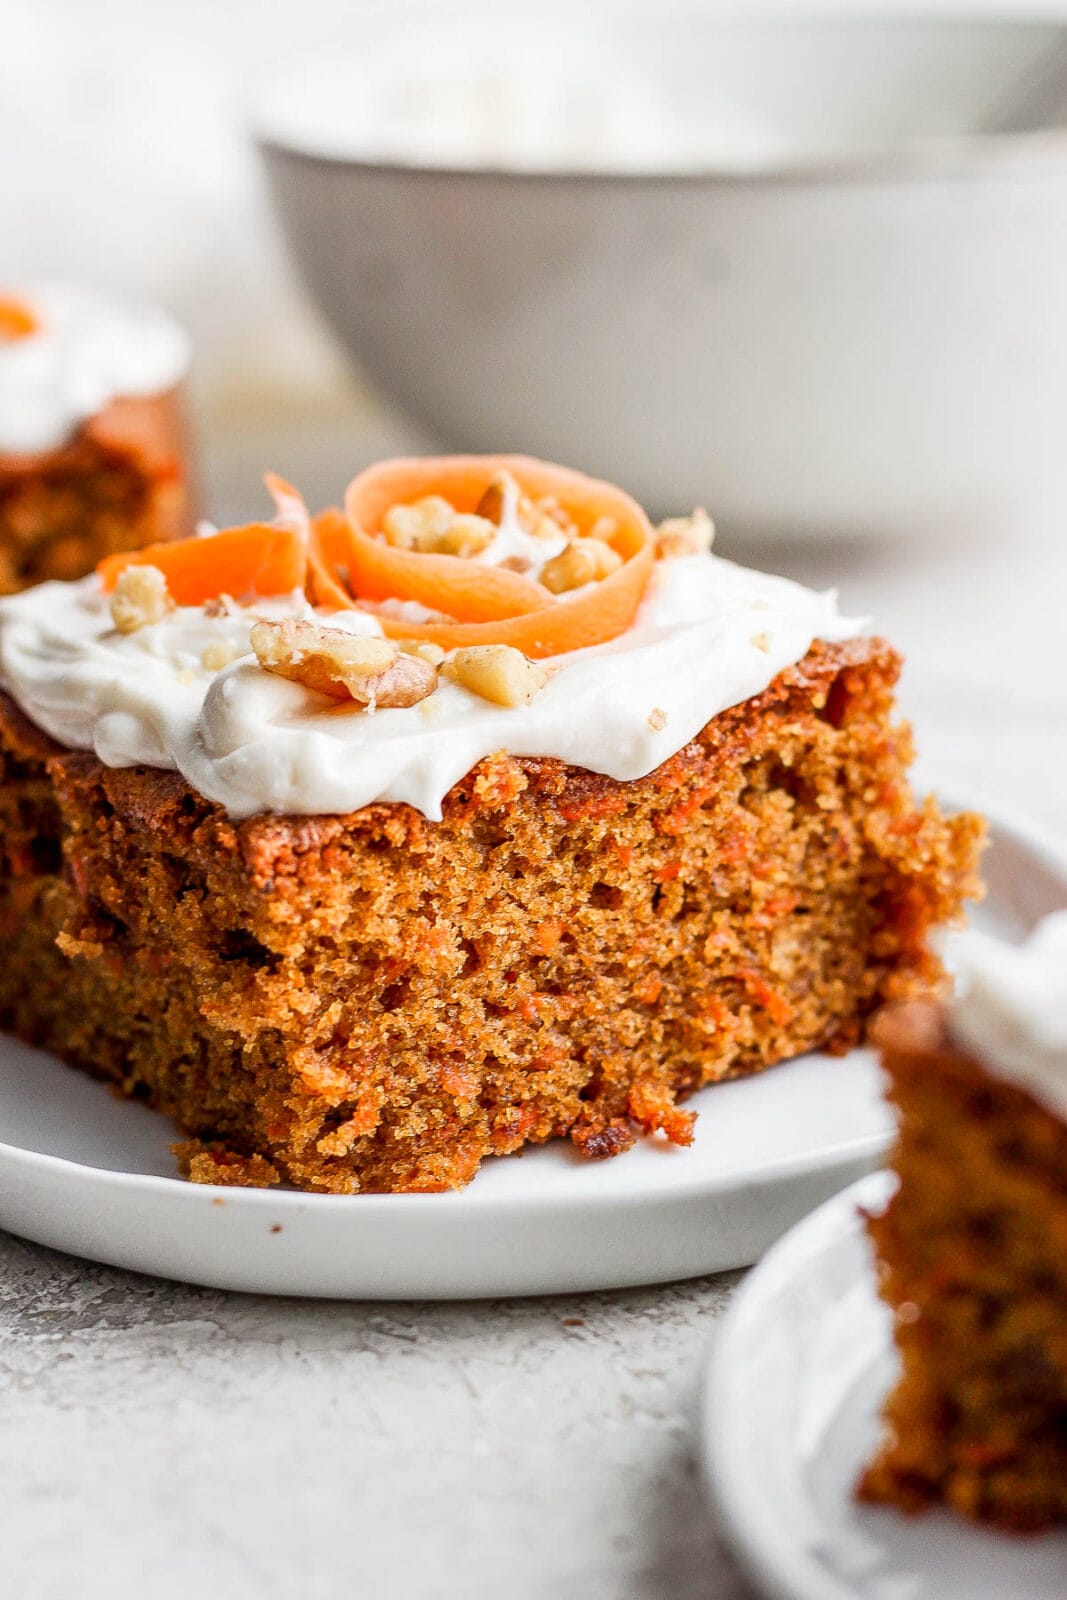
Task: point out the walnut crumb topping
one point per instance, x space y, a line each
496 672
657 719
502 496
141 597
583 561
546 518
504 501
762 641
434 527
685 536
219 655
423 649
415 527
345 666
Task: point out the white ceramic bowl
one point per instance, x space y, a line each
832 302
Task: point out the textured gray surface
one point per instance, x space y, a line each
158 1441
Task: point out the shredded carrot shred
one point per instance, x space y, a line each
327 561
321 582
258 559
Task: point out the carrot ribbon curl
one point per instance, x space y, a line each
487 605
342 561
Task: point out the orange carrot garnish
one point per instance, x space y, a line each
254 560
485 604
470 591
342 562
322 584
258 559
17 319
327 561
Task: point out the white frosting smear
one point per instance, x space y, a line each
1011 1008
707 636
89 349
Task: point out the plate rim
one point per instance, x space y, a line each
773 1170
773 1564
1013 824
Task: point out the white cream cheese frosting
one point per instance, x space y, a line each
1010 1010
88 349
708 635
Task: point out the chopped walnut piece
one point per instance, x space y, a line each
372 672
467 535
502 496
546 518
504 501
497 672
412 527
434 527
140 597
608 558
222 605
762 641
219 655
583 561
685 536
657 719
424 649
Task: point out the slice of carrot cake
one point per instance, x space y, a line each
93 449
482 813
972 1249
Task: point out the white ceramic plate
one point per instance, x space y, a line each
798 1373
84 1172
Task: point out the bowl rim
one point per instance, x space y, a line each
1004 152
966 158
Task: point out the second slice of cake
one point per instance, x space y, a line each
972 1249
94 447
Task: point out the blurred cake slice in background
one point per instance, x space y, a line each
93 446
972 1249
